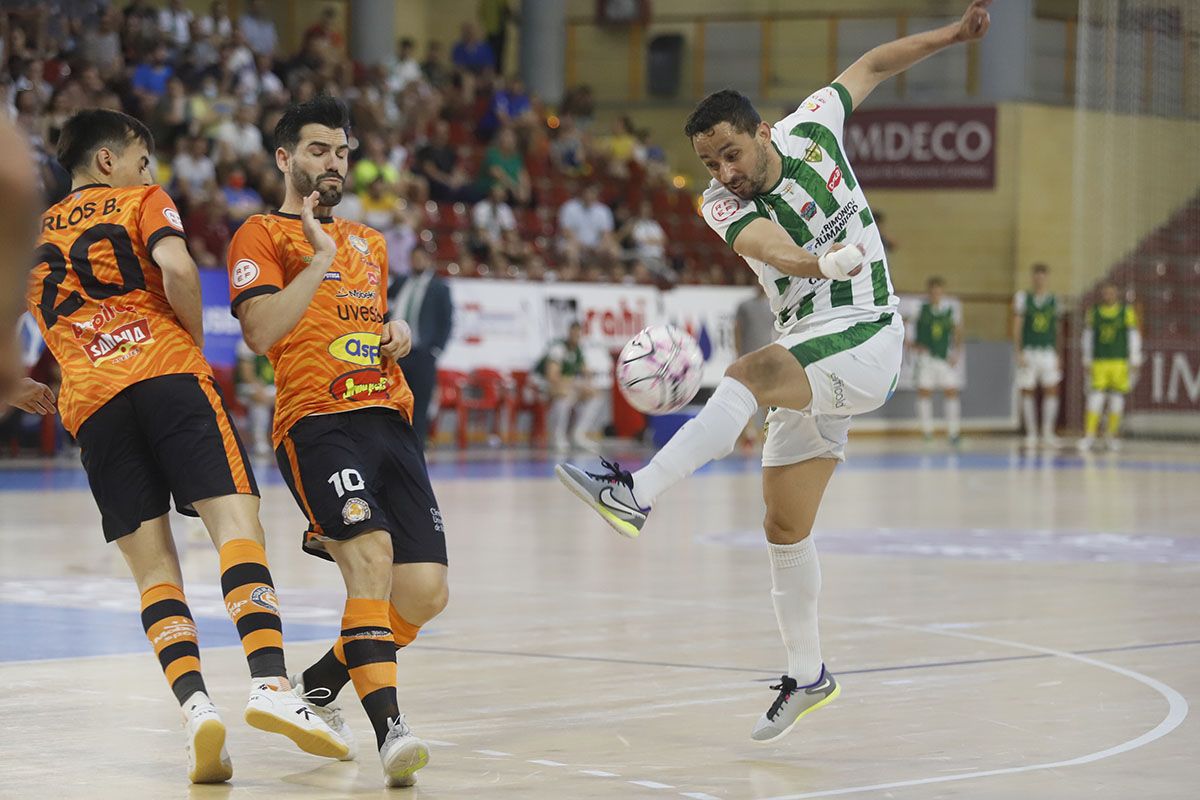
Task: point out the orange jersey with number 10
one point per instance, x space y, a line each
330 362
98 296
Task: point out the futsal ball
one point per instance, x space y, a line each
659 369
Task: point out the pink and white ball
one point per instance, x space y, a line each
659 369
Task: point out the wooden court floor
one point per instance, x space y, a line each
1004 626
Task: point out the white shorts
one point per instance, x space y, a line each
1041 369
852 368
936 373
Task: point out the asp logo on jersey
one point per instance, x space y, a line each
359 348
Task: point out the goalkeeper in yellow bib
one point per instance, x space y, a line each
1112 354
785 198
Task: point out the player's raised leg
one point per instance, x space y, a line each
793 495
150 553
770 376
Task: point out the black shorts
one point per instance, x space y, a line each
163 437
360 471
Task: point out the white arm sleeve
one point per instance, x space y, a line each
1135 348
1086 344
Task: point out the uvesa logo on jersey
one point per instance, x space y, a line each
359 348
362 384
120 343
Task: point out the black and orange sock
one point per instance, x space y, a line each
170 628
251 603
371 660
330 673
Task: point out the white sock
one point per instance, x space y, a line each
925 414
953 415
1116 407
1049 414
796 583
585 418
1095 402
710 435
560 415
1029 412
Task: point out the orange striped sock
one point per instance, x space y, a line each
168 623
251 603
370 654
330 673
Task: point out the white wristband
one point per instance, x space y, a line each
838 265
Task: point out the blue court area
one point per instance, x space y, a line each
61 474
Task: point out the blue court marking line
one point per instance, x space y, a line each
55 477
31 632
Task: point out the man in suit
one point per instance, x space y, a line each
422 299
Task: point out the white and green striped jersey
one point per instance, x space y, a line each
818 201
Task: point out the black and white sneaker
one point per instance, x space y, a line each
610 493
792 703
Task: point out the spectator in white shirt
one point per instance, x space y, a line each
585 228
175 21
259 29
240 137
194 171
261 86
647 238
216 22
494 236
406 69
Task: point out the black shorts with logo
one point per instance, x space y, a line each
162 437
360 471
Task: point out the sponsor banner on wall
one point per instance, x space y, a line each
923 148
1169 380
221 330
508 326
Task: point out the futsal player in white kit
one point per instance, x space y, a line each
785 198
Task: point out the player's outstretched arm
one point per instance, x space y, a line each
765 240
881 63
181 282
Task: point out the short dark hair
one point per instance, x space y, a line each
321 110
935 280
726 105
87 131
1040 268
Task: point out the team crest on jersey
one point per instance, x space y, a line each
725 209
813 154
356 510
360 244
808 210
173 217
245 272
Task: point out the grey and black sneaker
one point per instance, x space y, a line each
793 703
402 754
609 492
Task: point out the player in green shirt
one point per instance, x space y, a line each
1035 341
562 372
1112 354
938 344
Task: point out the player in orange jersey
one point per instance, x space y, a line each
18 187
309 290
117 298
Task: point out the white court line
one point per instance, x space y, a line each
545 762
599 773
698 796
652 784
1177 710
498 753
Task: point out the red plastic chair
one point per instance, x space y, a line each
526 397
450 394
486 390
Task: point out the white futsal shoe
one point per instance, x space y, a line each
330 714
609 493
282 711
402 754
792 703
208 760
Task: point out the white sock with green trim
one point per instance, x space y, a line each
925 414
1049 414
1029 412
795 586
710 435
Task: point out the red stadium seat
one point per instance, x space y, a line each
526 397
487 391
450 392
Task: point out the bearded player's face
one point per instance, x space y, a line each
320 163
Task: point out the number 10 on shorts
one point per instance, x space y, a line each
348 480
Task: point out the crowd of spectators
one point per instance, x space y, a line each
449 154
